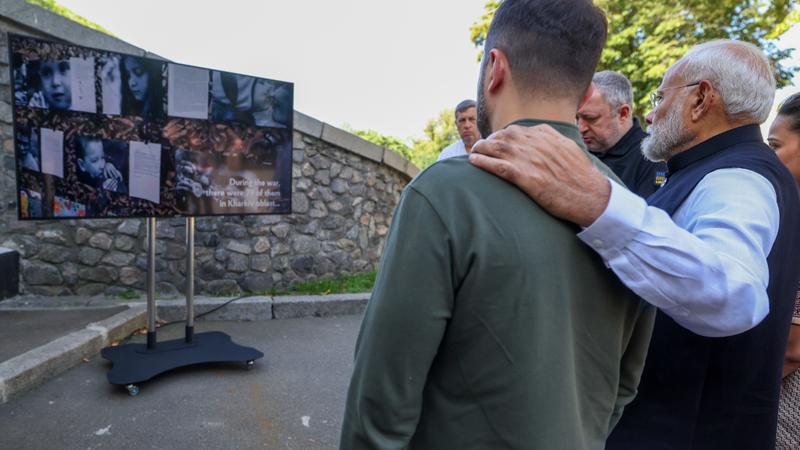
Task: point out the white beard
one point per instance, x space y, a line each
665 136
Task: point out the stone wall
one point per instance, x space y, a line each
344 192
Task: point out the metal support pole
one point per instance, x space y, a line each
189 279
151 282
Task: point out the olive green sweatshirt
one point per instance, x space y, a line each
491 326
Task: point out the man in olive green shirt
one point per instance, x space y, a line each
491 325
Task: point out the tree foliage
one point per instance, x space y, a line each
646 37
439 132
53 6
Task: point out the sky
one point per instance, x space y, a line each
389 66
384 65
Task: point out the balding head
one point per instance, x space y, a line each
739 71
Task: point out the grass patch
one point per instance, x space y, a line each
129 294
350 284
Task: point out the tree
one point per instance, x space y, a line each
646 37
54 6
439 133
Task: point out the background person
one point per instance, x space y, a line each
715 250
490 325
466 124
612 133
784 138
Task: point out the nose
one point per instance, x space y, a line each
649 118
582 126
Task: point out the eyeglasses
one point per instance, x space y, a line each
656 97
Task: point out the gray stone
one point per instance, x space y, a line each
118 259
239 247
164 230
257 282
332 222
82 235
211 270
299 203
101 241
320 162
346 244
69 271
323 177
307 170
5 112
339 186
48 291
38 273
262 245
27 246
233 231
53 236
173 251
206 224
281 230
303 264
260 263
210 239
280 249
91 289
310 227
166 290
303 184
305 245
124 243
323 266
298 155
55 254
221 255
336 169
223 287
130 227
99 274
130 276
357 189
237 263
90 256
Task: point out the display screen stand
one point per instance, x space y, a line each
137 363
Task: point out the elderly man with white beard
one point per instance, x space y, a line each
713 249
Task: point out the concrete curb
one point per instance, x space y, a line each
28 370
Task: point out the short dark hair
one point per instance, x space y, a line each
464 105
553 46
790 108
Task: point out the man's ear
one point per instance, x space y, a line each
703 99
625 111
497 70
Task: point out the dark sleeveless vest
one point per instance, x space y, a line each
719 393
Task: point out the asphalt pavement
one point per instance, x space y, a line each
293 398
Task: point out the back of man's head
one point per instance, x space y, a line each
615 88
553 46
739 71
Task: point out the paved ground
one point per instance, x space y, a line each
21 331
292 399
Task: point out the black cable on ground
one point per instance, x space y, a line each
173 322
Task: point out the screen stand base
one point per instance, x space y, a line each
137 363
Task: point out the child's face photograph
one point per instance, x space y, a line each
93 159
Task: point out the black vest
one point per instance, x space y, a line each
719 393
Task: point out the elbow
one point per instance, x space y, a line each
728 315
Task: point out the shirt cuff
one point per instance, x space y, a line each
619 223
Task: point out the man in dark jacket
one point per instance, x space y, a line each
614 135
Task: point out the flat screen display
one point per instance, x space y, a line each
99 134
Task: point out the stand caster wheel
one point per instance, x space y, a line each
250 364
133 390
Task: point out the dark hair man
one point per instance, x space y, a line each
466 118
715 250
612 133
491 325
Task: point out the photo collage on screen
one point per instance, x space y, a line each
101 134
